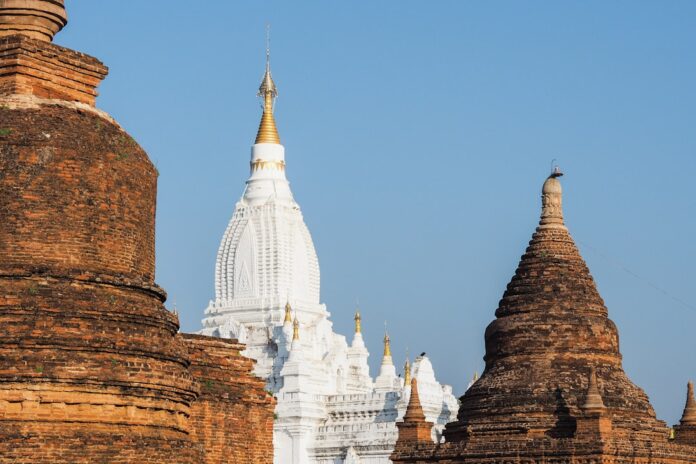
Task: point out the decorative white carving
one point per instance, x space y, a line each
329 409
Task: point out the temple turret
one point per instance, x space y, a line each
268 133
414 429
38 19
594 422
685 432
387 379
295 331
327 400
288 314
357 356
689 415
267 166
551 324
593 399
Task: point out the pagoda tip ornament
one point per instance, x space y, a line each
387 346
38 19
295 329
552 202
288 315
689 415
593 399
268 133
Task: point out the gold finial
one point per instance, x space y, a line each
387 343
358 326
407 372
288 309
268 133
295 329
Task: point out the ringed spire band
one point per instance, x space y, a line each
268 133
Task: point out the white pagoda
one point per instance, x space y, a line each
329 408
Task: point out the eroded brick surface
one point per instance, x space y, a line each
551 329
92 369
233 417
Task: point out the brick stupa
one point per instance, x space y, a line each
554 389
92 369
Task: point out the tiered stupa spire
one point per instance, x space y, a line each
550 326
414 410
414 428
387 357
295 330
689 415
38 19
268 133
593 399
288 313
407 372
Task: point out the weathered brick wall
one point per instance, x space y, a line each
551 331
34 67
77 196
233 417
91 368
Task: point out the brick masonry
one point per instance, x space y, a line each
233 417
532 403
92 368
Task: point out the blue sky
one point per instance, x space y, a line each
417 137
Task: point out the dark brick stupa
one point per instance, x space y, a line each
554 389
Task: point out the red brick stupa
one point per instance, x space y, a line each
554 389
92 369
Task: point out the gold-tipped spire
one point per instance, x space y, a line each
407 372
268 133
387 346
288 315
358 326
295 329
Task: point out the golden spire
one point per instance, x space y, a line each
295 329
288 316
358 327
407 372
267 129
387 346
